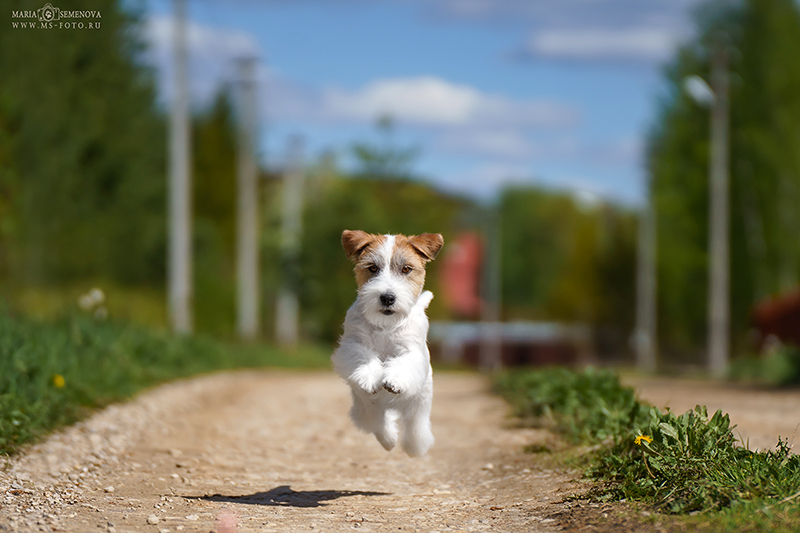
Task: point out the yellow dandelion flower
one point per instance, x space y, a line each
58 381
644 438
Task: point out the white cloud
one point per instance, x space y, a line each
505 136
566 13
424 100
649 44
211 52
464 119
586 199
432 101
588 30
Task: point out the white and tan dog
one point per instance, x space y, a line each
383 353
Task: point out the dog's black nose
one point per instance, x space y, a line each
387 299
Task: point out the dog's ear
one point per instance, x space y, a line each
355 242
427 245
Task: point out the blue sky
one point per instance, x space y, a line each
553 92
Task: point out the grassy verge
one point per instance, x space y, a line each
53 373
688 464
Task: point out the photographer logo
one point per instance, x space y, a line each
48 13
49 17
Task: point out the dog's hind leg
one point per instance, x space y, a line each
417 437
364 412
387 433
370 416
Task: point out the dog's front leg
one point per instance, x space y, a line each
367 377
406 373
359 366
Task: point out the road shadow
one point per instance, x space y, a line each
284 496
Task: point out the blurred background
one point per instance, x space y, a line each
615 181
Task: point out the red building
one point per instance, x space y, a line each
460 275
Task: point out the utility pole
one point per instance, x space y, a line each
490 357
645 335
287 315
179 276
719 273
247 206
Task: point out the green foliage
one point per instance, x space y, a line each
586 407
763 37
537 232
565 261
779 367
83 166
384 160
214 186
83 201
102 362
559 262
335 203
681 463
758 516
693 463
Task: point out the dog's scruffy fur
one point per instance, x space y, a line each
383 353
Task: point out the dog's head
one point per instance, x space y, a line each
390 271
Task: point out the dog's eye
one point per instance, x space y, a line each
406 269
373 268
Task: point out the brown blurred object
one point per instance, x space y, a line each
779 317
460 275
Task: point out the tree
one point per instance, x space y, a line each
214 190
569 262
84 163
383 160
763 37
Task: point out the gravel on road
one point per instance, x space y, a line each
275 451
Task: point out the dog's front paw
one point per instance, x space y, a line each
391 387
371 387
368 377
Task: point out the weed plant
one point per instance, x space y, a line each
691 462
681 463
53 373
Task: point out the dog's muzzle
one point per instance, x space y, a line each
387 300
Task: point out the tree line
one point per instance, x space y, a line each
83 191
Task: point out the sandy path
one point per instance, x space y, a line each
275 451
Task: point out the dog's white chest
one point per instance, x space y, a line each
385 346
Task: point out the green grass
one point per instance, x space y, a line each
101 362
744 517
682 464
584 407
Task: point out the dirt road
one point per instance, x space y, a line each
275 451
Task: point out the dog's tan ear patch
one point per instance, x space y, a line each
427 245
355 242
